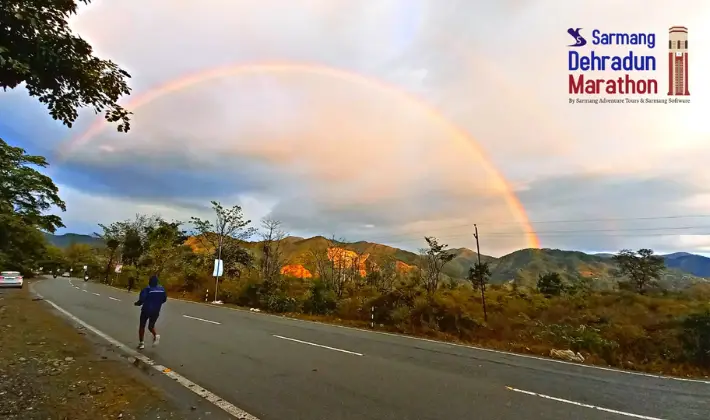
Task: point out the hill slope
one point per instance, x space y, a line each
525 265
696 265
64 240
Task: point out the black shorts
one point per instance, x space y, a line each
149 318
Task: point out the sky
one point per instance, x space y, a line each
386 121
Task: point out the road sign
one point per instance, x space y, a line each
118 268
85 267
71 269
218 269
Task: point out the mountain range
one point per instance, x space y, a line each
523 266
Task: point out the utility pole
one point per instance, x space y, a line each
480 273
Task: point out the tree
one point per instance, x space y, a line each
163 244
435 258
333 264
549 284
271 252
642 267
112 237
37 47
225 236
25 192
21 245
25 197
382 273
132 246
53 259
78 255
318 257
479 275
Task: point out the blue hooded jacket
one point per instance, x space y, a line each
152 297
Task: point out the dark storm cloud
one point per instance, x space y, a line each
168 175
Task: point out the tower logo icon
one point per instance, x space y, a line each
678 61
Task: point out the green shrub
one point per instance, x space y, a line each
696 337
278 302
321 300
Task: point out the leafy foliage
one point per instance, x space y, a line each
434 259
479 275
37 47
550 284
696 337
25 196
25 192
21 245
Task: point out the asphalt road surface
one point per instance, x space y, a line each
276 368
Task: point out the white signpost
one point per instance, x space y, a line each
218 269
217 272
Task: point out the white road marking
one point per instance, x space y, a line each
203 320
202 392
113 298
76 288
97 294
84 290
608 410
466 346
318 345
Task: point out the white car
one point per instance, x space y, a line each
11 279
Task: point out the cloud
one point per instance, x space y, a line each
329 153
610 212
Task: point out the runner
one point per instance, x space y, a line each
151 299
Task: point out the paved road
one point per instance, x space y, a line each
277 368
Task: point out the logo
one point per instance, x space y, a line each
579 40
615 66
678 61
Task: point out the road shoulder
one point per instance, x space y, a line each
50 369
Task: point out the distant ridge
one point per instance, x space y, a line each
66 239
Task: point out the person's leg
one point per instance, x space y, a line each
141 329
151 328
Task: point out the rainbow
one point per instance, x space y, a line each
455 133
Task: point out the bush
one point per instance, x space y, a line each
580 338
550 284
321 300
279 302
127 272
696 337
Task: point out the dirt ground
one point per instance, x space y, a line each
51 370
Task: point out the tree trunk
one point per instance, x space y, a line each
108 266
